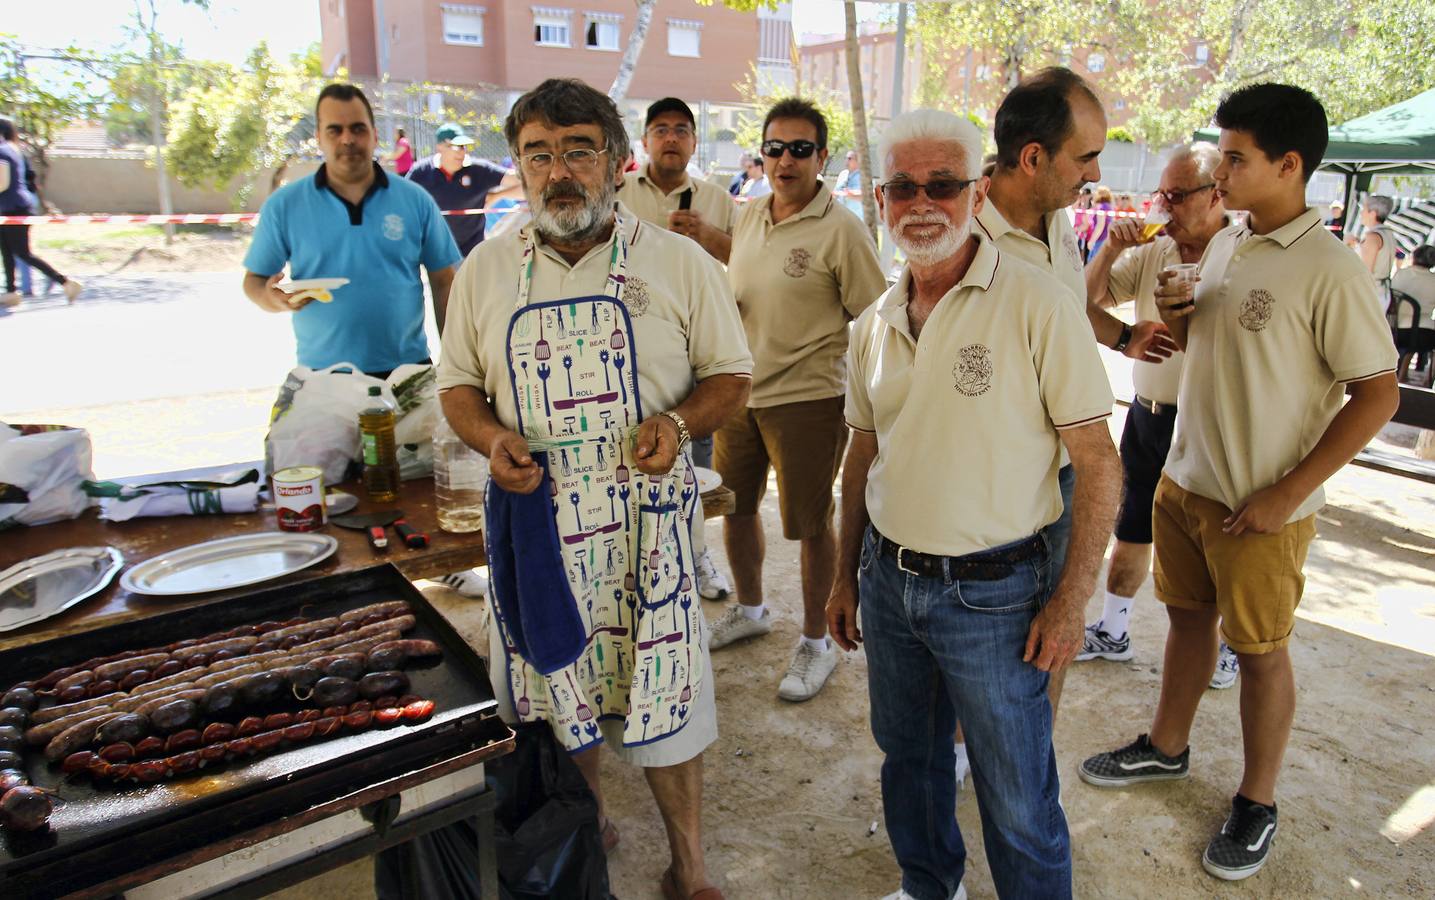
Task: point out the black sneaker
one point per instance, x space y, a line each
1244 843
1138 761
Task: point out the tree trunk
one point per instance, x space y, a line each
619 91
859 118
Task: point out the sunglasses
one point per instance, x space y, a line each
937 189
1176 198
798 149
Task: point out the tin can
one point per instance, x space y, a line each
299 498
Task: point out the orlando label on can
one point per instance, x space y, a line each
299 498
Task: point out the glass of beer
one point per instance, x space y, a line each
1156 218
1183 275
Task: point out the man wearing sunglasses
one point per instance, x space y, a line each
1125 269
1050 129
802 267
965 378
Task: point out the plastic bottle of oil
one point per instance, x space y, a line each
381 462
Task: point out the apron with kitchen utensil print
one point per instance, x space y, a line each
625 538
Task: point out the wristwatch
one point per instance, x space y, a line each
684 436
1121 342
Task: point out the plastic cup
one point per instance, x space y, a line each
1184 275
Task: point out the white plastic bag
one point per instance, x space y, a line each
41 469
315 421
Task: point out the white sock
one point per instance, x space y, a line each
752 612
1116 615
818 644
963 764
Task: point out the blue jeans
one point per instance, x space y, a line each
1058 533
938 648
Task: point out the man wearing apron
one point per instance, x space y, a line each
581 355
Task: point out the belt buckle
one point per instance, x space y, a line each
901 566
1156 408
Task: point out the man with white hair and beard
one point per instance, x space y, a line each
965 378
582 355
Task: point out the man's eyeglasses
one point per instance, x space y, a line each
798 149
937 189
663 132
1176 198
580 160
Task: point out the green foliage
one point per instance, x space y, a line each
1121 135
742 5
39 106
834 106
1357 57
240 122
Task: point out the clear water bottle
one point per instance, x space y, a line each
460 477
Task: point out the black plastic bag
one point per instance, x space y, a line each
546 835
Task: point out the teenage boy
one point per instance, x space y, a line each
1281 325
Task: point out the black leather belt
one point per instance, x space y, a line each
987 565
1154 408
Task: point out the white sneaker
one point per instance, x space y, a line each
1228 666
964 768
903 895
808 672
469 583
712 583
11 300
72 289
734 625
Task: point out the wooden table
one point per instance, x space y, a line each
140 539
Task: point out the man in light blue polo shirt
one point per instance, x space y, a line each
351 220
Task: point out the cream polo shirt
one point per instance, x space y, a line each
967 418
798 283
641 195
685 326
1058 255
1282 322
1133 277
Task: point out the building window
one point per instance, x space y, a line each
463 25
1120 105
1064 56
603 31
1203 53
684 37
1095 62
983 71
550 27
774 41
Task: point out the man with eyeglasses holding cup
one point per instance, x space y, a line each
1126 268
965 378
802 267
582 354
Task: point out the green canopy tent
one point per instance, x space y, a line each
1396 140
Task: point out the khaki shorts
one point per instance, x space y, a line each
804 442
1254 580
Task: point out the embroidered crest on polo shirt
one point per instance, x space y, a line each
465 181
798 262
1069 242
973 370
1256 309
394 227
636 296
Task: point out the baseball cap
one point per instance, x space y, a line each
453 133
668 105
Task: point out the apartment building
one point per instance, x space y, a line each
700 53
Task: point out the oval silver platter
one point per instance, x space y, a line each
45 586
227 563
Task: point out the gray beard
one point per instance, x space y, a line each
574 227
926 253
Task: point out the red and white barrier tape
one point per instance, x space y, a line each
182 219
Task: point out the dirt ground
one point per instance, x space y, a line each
85 248
791 791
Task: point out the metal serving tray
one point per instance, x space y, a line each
47 585
102 835
227 563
